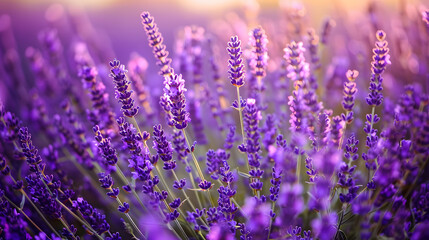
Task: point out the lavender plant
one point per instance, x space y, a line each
315 152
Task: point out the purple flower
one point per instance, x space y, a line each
122 84
98 95
156 43
175 203
104 146
236 66
313 44
295 234
336 130
179 184
351 149
312 172
179 144
276 180
258 215
13 224
163 148
349 95
205 185
92 215
174 92
43 197
30 152
125 208
259 57
380 60
230 138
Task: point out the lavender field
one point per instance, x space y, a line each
254 120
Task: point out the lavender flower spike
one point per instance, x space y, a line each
174 92
156 42
236 67
380 60
259 58
117 72
349 95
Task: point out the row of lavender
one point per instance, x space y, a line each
261 157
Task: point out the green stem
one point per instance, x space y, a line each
130 219
273 205
172 195
200 173
339 224
187 197
63 221
25 215
79 219
240 113
125 181
36 208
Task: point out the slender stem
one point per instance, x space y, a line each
161 176
125 181
200 173
172 195
339 224
196 166
273 205
211 199
130 219
36 208
240 113
196 192
25 215
40 213
183 190
187 197
79 219
64 222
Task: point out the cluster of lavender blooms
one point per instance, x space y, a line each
277 136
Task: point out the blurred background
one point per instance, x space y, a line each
113 29
120 20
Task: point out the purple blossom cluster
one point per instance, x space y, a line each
332 147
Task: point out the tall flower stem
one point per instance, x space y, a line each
240 113
187 197
341 221
79 219
173 196
64 222
28 218
197 166
125 181
273 206
130 219
35 208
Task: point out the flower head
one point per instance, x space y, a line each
174 92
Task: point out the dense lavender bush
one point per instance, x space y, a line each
270 135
